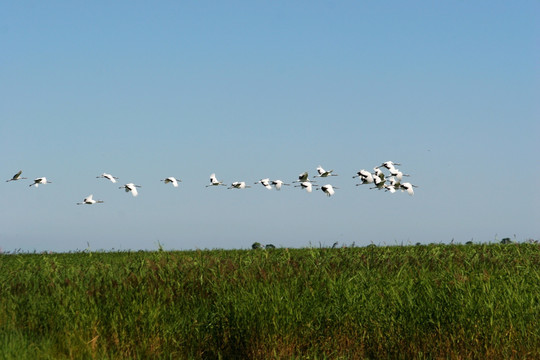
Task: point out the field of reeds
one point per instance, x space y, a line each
399 302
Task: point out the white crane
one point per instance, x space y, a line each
408 187
365 176
306 185
108 176
16 177
378 173
303 177
131 187
214 181
389 164
392 185
393 182
278 184
379 182
41 180
328 189
265 182
238 185
89 201
174 181
324 173
397 173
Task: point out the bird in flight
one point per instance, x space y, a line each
324 173
278 184
306 185
89 201
265 183
408 187
108 176
379 182
328 189
16 177
303 177
131 187
238 185
174 181
214 181
397 173
389 164
41 180
365 176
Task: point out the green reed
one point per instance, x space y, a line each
437 301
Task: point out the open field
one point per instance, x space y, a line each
436 301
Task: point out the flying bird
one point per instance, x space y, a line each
174 181
393 182
303 177
131 187
389 164
238 185
265 183
408 187
108 176
379 182
278 183
214 181
306 185
16 177
41 180
392 185
378 173
365 176
397 173
328 189
89 201
324 173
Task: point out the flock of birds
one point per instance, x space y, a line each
390 182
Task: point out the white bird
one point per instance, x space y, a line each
408 187
324 173
16 177
303 177
379 182
397 173
108 176
378 173
278 184
393 182
214 181
365 176
41 180
328 189
362 173
392 185
389 164
238 185
131 187
308 186
174 181
265 183
88 200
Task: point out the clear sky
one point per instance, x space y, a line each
254 89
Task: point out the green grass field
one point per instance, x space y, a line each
404 302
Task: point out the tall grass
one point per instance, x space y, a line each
443 301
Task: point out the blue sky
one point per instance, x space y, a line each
251 90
